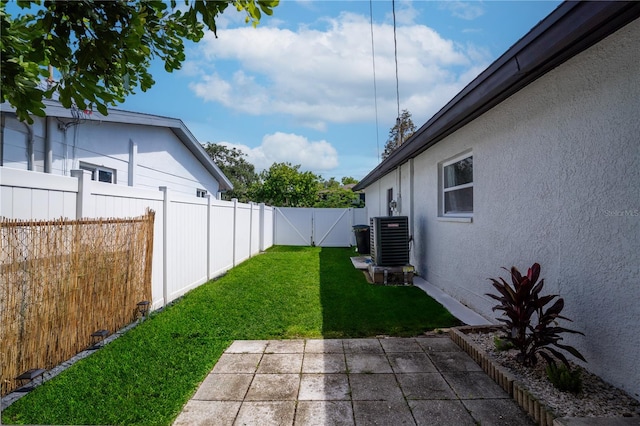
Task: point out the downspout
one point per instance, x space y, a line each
399 197
74 159
65 165
411 211
30 155
1 139
380 198
411 197
48 144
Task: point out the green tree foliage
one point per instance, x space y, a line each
333 195
284 185
348 180
331 183
102 48
338 198
405 127
233 164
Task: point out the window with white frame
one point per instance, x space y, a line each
456 186
99 173
201 193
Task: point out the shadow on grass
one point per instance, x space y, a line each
351 307
147 375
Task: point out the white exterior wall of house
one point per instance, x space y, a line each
142 156
556 181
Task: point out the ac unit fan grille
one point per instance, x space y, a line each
390 240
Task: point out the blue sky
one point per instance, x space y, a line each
299 88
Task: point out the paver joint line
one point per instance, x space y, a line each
413 381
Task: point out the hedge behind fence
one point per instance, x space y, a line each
61 281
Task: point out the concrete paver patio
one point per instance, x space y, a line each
382 381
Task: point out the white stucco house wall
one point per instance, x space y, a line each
123 148
538 160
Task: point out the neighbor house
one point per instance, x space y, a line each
122 148
537 160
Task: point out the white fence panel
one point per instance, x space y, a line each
267 228
243 232
29 195
194 239
107 200
157 262
222 231
360 217
186 244
254 243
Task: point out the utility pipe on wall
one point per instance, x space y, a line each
411 197
48 144
30 155
2 140
133 162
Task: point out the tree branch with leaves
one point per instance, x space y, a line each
102 48
233 163
399 133
284 185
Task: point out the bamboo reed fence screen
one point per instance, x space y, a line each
63 280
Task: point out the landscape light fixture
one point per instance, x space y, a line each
30 375
143 308
97 338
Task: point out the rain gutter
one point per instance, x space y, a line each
570 29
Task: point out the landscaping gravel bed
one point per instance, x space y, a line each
597 399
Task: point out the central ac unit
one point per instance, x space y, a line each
390 240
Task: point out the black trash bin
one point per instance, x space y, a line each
362 238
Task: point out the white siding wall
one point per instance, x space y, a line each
556 181
376 195
161 160
16 136
185 255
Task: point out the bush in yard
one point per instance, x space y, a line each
521 305
501 344
564 379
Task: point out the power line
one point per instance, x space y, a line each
395 54
375 87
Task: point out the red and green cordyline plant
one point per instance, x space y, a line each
520 304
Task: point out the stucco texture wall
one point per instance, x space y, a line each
556 181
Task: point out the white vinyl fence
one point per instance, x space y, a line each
195 239
317 227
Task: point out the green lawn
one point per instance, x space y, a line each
147 375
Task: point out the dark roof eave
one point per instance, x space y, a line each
570 29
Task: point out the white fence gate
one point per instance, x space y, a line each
316 227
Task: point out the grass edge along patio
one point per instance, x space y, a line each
148 374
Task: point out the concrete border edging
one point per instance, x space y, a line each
542 414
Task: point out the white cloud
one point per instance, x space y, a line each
316 156
320 76
464 9
405 13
